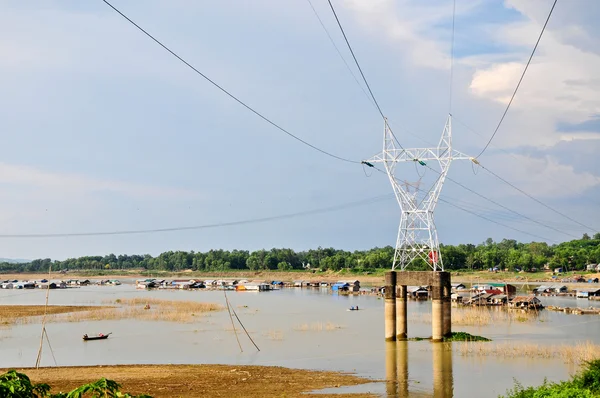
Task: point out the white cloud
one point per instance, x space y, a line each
78 183
543 177
559 87
407 24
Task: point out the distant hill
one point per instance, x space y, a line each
14 260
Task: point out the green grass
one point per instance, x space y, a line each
585 384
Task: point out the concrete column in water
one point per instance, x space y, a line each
443 380
401 315
437 314
389 306
447 310
391 370
402 352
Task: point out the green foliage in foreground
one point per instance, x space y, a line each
464 336
18 385
584 385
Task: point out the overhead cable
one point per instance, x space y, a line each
360 69
355 60
539 201
520 80
206 226
239 101
340 53
503 206
452 58
479 215
495 222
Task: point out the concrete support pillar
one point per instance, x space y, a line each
389 306
401 314
402 352
447 312
391 370
443 380
437 314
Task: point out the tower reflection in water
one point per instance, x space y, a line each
397 370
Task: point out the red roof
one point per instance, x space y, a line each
494 291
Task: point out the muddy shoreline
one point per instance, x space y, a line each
200 380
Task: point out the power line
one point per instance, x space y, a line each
339 52
520 80
505 207
206 226
520 159
495 222
355 60
227 92
537 200
452 57
484 217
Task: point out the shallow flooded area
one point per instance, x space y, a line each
307 328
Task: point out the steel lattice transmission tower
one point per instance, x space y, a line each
417 235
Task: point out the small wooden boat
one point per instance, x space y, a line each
98 337
353 308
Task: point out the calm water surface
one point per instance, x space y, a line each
301 328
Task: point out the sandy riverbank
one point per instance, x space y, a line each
200 380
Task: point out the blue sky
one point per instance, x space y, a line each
102 130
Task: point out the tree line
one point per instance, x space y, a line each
508 253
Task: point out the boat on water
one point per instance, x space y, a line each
98 337
353 308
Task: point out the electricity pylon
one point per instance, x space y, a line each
417 235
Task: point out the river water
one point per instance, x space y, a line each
299 328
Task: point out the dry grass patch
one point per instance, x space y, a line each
276 335
20 314
159 310
575 354
484 316
318 327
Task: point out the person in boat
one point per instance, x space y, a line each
357 307
85 336
100 335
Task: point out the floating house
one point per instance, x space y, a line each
550 289
507 289
146 283
525 302
417 292
340 286
254 287
587 293
458 286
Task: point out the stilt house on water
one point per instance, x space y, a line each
417 292
526 303
587 293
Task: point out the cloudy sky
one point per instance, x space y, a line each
103 130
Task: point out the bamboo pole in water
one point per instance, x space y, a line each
39 355
231 318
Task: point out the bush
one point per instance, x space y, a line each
584 385
18 385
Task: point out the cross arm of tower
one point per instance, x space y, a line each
418 154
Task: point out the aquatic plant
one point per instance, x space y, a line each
585 384
464 336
